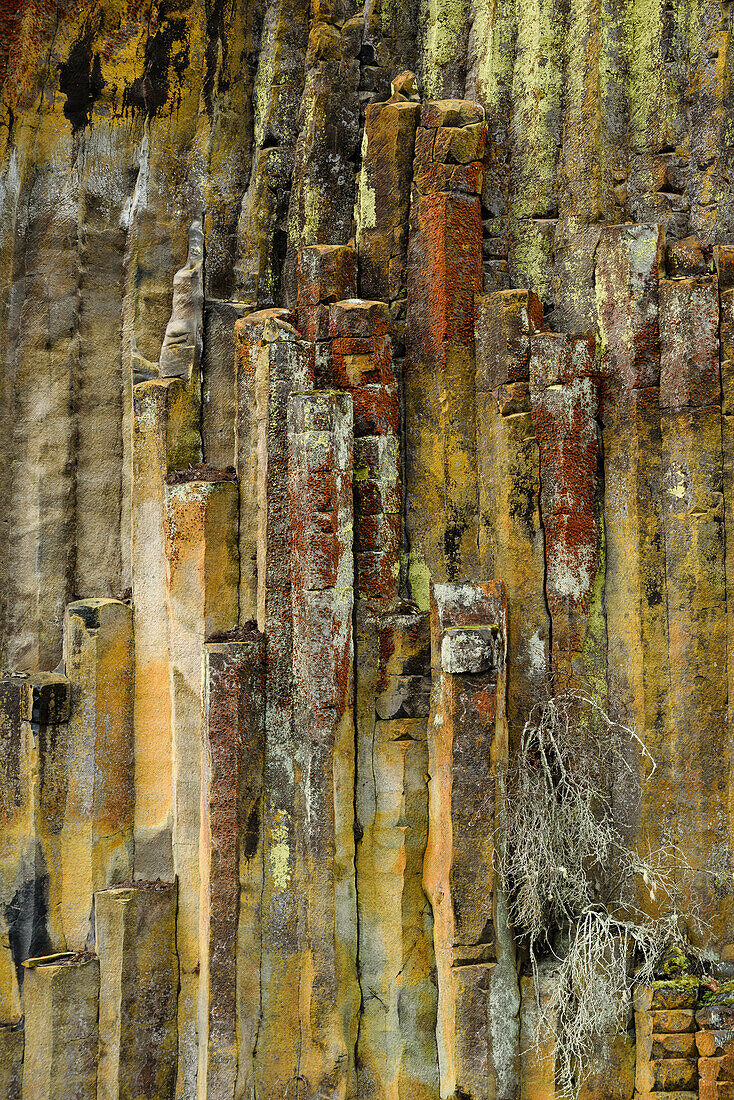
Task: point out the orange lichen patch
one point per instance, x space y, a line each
444 274
564 406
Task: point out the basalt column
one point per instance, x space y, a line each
564 401
272 362
135 936
511 538
320 428
61 1011
384 202
165 437
49 720
725 268
97 834
467 755
231 855
693 519
628 264
327 273
17 840
444 274
396 1051
202 574
361 350
34 713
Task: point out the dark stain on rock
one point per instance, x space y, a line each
26 918
653 592
252 832
215 56
202 472
88 613
452 540
81 81
167 49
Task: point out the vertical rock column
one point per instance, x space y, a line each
724 258
272 362
16 867
320 428
202 575
693 517
165 437
61 1010
96 839
396 1051
326 273
50 725
18 759
467 751
628 264
444 274
321 207
564 402
34 715
11 1061
361 351
231 854
511 538
33 728
135 933
218 385
385 180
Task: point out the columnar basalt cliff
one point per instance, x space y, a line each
367 378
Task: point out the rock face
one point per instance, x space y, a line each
365 373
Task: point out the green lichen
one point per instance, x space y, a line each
682 983
723 996
447 20
675 963
419 577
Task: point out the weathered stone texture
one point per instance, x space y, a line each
511 539
564 403
201 586
467 752
135 938
444 273
628 265
272 363
320 488
693 520
384 198
61 1010
396 1050
96 841
231 861
210 214
165 437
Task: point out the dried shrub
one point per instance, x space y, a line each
570 879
